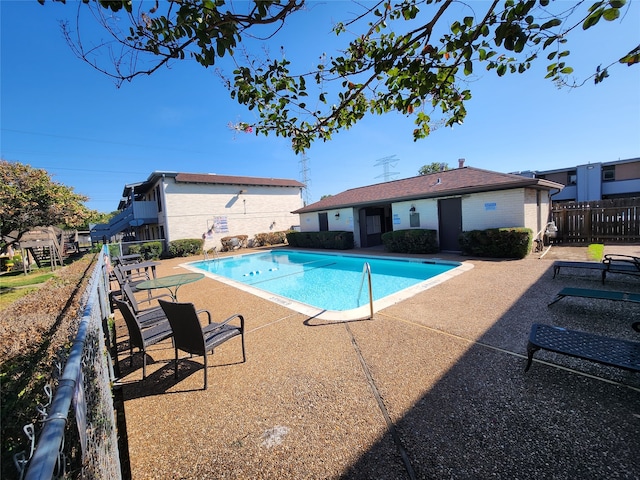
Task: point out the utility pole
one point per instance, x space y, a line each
304 178
387 162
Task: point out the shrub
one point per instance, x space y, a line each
114 249
415 240
497 242
149 250
270 238
185 247
337 240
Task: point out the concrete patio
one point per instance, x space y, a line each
432 387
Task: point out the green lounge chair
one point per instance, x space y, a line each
612 263
625 264
557 265
597 294
608 351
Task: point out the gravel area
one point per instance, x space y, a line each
432 387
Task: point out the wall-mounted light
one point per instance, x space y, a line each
241 192
337 215
412 209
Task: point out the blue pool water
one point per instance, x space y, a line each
325 281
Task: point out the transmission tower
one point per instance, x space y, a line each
386 163
304 178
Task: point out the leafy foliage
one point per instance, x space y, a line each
417 240
497 242
148 250
410 56
434 167
185 247
35 334
337 240
30 198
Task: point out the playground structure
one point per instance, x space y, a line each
47 246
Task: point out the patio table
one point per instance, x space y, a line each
146 266
171 283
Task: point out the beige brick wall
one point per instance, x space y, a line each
189 210
427 209
493 210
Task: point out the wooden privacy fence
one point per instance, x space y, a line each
600 221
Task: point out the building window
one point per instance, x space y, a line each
608 174
158 198
414 219
572 177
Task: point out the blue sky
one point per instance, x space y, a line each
59 114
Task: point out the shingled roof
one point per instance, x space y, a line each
458 181
212 178
141 188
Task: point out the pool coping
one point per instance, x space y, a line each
359 313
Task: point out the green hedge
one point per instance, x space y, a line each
185 247
497 242
337 240
415 240
149 250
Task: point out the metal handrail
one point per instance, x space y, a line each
366 268
215 253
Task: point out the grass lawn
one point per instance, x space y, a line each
15 285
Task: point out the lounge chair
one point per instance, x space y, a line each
141 337
608 351
597 294
557 265
625 264
189 336
612 263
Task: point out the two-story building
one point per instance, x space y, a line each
171 206
594 181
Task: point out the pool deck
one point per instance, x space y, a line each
431 387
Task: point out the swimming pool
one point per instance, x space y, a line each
328 285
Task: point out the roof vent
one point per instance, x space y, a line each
439 181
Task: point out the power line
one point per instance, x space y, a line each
95 140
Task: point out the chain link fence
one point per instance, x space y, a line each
79 438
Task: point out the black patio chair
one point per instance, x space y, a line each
189 335
142 337
145 315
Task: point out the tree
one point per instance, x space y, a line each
433 168
408 57
29 198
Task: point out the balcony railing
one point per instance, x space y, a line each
136 214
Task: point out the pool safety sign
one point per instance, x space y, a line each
220 224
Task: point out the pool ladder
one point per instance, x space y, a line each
215 253
366 270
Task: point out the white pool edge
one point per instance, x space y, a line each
343 315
